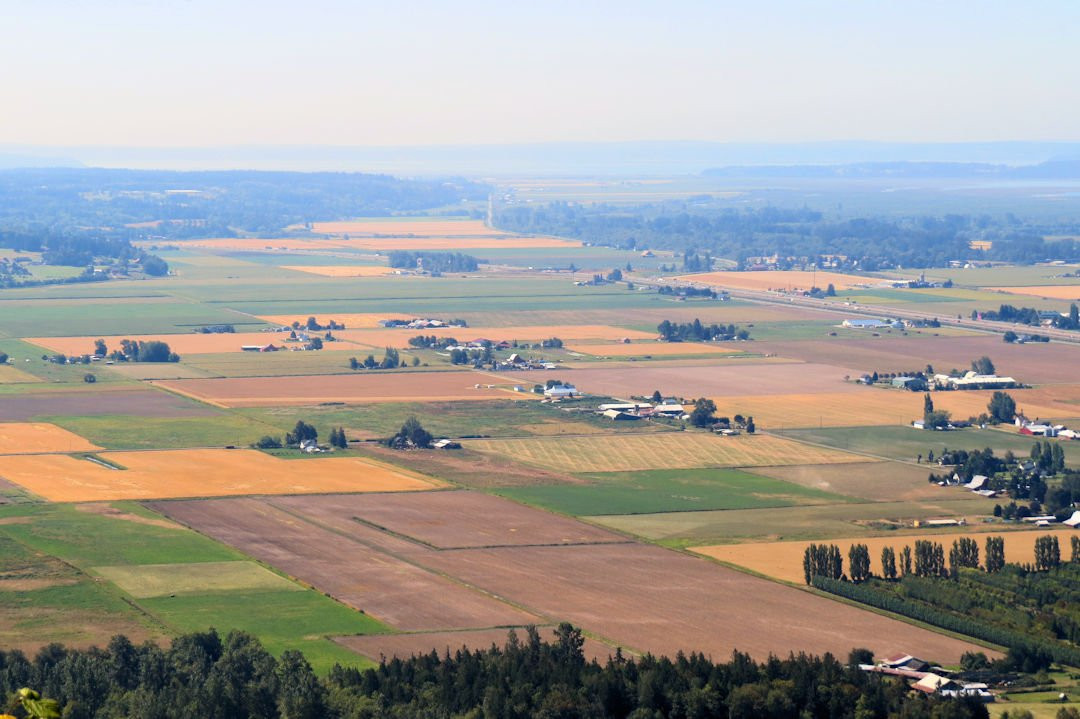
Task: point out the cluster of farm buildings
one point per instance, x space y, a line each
929 679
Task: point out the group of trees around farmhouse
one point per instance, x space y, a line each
1027 608
703 415
1030 316
412 435
794 238
391 359
303 432
137 351
233 676
697 332
433 262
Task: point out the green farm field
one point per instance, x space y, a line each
130 432
907 443
123 316
683 529
668 491
123 540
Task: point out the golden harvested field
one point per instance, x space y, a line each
258 244
343 270
873 406
356 321
177 473
39 437
662 451
406 228
360 388
782 279
1053 292
183 344
157 580
13 375
783 560
654 349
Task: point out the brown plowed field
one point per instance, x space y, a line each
1033 363
783 280
199 473
37 437
715 380
783 560
137 402
403 646
1053 292
392 590
656 600
371 387
456 520
640 596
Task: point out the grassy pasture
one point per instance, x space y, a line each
124 316
668 491
157 580
630 452
130 432
138 546
906 443
783 523
38 368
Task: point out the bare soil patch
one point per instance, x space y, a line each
389 588
134 402
456 520
656 600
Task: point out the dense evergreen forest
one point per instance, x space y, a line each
212 677
208 204
795 236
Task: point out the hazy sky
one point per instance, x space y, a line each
212 72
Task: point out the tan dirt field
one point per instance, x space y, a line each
668 602
783 279
873 481
354 321
783 560
405 228
1032 363
342 270
185 344
157 580
719 379
658 451
38 438
200 473
404 646
448 520
1053 292
400 337
13 375
359 388
652 349
871 406
347 563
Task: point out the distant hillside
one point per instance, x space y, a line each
1063 169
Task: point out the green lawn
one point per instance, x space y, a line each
907 443
288 618
669 491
